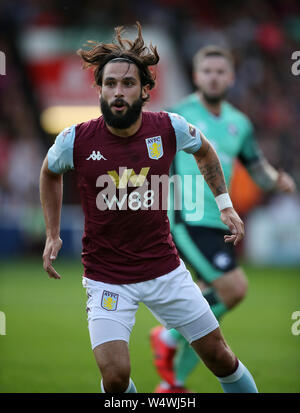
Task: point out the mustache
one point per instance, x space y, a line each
119 102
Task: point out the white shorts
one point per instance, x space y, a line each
174 299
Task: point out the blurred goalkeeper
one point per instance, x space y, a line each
201 243
128 252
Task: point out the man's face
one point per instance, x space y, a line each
213 77
121 94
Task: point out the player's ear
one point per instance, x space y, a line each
145 91
195 78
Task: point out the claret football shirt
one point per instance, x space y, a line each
123 185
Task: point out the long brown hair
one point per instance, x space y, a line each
135 51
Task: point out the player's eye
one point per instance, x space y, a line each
109 83
128 82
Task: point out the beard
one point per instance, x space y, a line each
119 120
214 99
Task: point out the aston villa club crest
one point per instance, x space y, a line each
109 301
155 147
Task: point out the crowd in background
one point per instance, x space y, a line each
261 34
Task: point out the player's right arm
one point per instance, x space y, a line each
58 161
51 190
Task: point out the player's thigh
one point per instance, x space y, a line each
204 249
176 301
111 311
231 286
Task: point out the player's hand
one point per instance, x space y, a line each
236 226
51 250
285 183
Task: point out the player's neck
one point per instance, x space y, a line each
214 108
125 133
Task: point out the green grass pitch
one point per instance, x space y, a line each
46 347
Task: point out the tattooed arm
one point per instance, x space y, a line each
211 169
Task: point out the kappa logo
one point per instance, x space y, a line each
96 156
109 301
155 147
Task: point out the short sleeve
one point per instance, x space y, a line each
188 137
250 151
60 155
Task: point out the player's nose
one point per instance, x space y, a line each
119 90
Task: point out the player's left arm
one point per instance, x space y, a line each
58 161
211 169
260 170
268 178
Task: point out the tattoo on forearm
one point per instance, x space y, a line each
213 175
210 167
211 171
